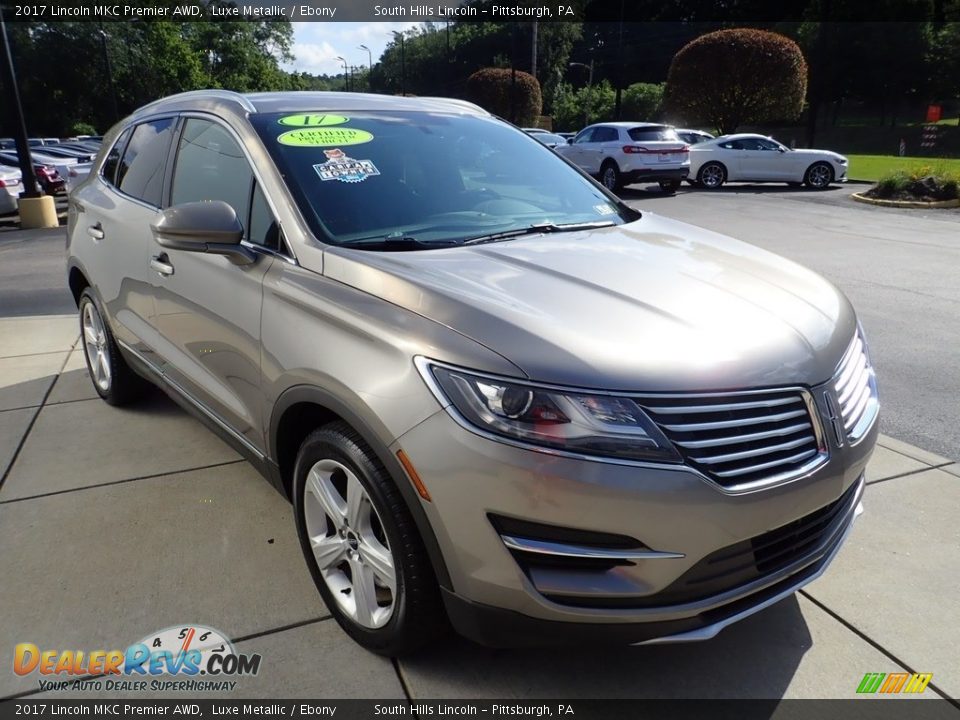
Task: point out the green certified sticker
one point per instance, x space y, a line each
324 137
312 120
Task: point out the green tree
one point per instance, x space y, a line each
577 108
731 77
642 101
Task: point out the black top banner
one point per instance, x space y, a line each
739 11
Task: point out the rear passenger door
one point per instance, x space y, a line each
208 308
116 212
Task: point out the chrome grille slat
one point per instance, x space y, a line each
730 457
799 457
856 391
721 424
683 409
742 440
733 439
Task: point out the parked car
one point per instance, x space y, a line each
756 158
11 186
47 175
693 137
76 174
622 153
495 393
549 139
51 141
7 143
533 130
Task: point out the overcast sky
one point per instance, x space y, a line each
317 44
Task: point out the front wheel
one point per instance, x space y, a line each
712 175
610 176
819 176
361 545
669 186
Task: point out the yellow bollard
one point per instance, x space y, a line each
38 212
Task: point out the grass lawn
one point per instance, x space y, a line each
871 167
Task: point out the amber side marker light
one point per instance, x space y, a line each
414 477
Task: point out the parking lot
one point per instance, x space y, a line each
119 522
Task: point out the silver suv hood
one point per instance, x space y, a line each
656 305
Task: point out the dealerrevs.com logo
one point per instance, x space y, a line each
187 658
894 683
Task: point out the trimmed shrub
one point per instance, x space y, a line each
734 77
514 95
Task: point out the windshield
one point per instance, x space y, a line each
431 177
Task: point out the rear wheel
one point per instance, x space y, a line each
670 186
712 175
819 176
361 544
112 378
610 176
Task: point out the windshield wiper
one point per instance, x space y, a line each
539 229
398 243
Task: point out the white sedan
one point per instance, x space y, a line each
756 158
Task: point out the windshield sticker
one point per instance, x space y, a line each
605 209
312 120
324 137
343 168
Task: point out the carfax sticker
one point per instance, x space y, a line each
324 137
345 169
604 209
312 120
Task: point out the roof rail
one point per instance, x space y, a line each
222 94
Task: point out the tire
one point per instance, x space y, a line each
712 175
670 186
818 176
112 378
373 536
610 176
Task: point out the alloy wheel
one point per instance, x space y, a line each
610 178
95 347
711 176
819 176
349 544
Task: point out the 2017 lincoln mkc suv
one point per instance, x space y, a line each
497 396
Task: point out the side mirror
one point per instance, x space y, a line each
209 226
781 149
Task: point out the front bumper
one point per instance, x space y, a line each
682 518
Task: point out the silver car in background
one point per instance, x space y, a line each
496 395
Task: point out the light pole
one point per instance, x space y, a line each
109 67
403 64
369 64
586 106
346 77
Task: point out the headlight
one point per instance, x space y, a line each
576 422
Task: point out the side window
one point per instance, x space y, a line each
585 136
262 228
211 166
750 144
605 134
109 170
140 173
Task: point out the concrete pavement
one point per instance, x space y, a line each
115 523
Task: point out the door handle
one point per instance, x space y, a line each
96 231
161 264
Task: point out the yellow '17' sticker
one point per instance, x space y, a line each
324 137
312 120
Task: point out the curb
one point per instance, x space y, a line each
860 197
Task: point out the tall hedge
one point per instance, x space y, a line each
511 95
735 77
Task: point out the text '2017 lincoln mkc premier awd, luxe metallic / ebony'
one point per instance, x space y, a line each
497 396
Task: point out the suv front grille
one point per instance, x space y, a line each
741 439
856 388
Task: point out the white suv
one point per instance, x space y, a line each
621 153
